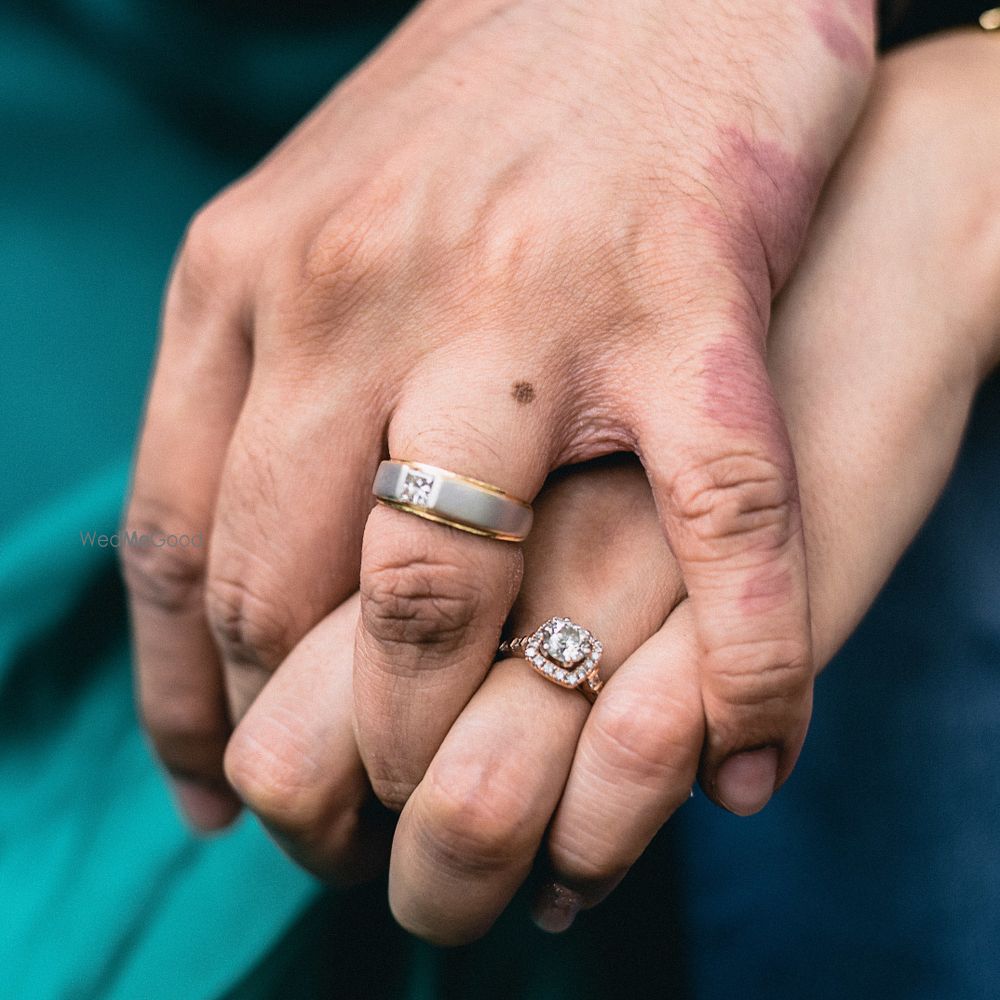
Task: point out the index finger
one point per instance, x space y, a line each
196 394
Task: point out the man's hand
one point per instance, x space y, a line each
875 354
523 234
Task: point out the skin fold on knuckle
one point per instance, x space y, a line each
273 772
413 596
167 578
247 620
733 502
645 741
760 676
591 850
391 786
590 865
472 823
637 746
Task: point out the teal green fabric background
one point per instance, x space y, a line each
103 893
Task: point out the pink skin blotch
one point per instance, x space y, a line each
737 396
840 38
766 592
777 188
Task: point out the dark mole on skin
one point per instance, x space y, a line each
523 392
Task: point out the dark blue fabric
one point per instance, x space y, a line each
876 871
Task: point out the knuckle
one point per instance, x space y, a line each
354 250
582 866
744 497
166 577
647 742
246 620
647 746
393 792
209 244
474 823
211 264
421 600
754 673
504 248
274 775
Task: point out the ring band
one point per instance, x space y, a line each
562 652
448 498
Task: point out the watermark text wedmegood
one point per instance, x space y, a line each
142 540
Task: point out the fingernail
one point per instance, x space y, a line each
206 807
745 782
555 908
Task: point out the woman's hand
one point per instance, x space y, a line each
523 234
878 344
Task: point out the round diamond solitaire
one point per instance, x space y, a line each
567 643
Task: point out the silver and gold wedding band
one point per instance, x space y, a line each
452 499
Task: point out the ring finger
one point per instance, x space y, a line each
469 833
434 598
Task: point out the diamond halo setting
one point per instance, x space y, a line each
564 652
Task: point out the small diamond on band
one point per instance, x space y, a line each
417 488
